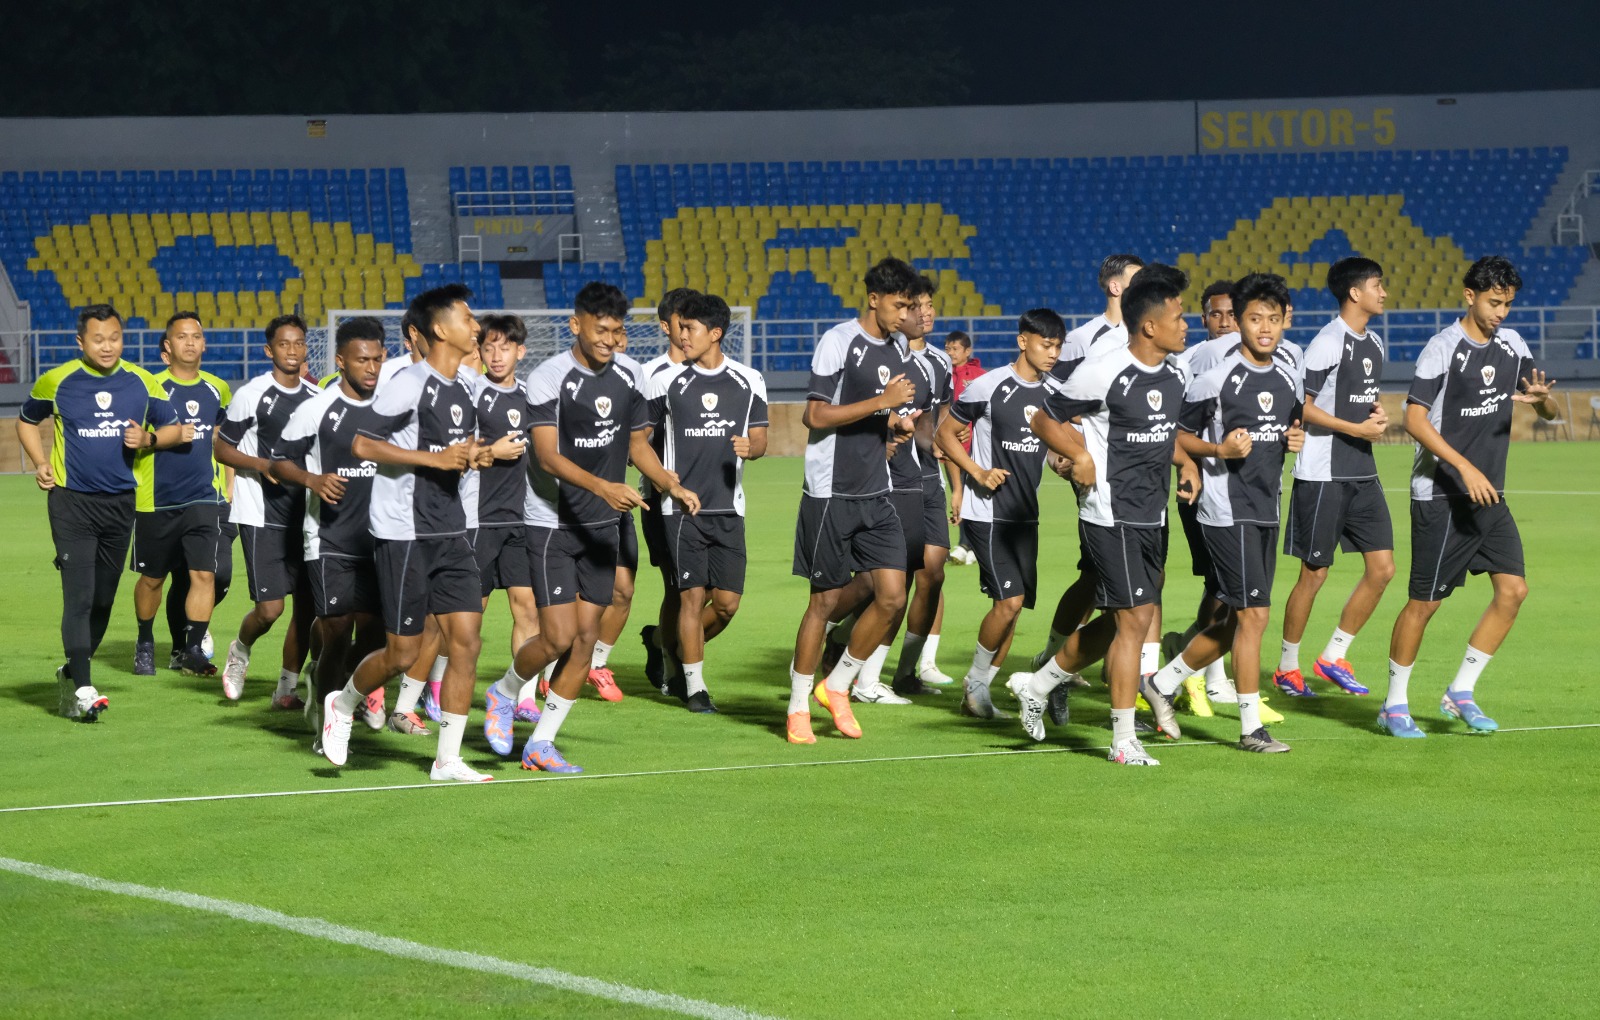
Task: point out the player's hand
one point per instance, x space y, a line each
1478 486
134 436
44 477
898 391
1062 466
1534 389
186 433
955 512
329 488
507 448
1237 445
455 457
904 424
686 499
1296 437
1375 426
1082 471
621 496
992 479
741 447
1189 482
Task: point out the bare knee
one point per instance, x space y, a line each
1511 592
268 612
725 604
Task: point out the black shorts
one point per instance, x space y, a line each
707 550
935 518
908 509
655 535
1452 537
1244 556
421 576
1350 515
627 544
833 537
341 585
1127 563
502 556
274 561
1008 558
1194 534
95 525
181 539
567 564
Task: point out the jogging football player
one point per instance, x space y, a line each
1459 411
181 503
1240 420
712 412
269 515
1108 331
1129 400
1000 491
586 420
99 407
964 367
315 453
1337 499
846 523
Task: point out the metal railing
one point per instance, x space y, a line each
545 202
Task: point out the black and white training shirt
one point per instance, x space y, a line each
256 418
318 439
696 412
1264 401
1467 388
999 407
499 490
419 409
1093 337
1341 377
941 373
905 464
848 366
595 415
1130 420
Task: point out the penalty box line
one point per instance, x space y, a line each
316 928
753 767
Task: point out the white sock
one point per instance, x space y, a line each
828 629
451 729
1399 676
555 713
930 654
1057 639
602 652
349 698
1150 657
1216 674
1338 646
1121 725
549 672
910 655
1289 659
694 682
436 674
982 670
243 646
872 667
1471 668
1249 713
1046 679
288 680
410 691
800 691
846 670
529 691
1171 676
510 685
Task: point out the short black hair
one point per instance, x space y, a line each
509 326
601 300
1350 272
1269 287
671 302
98 313
891 276
1112 266
1216 287
708 310
925 286
408 322
1149 292
180 316
281 321
957 336
362 327
1042 322
1492 272
426 307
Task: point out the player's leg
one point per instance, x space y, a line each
1296 614
297 641
573 672
1438 566
994 639
820 558
917 671
615 618
461 633
910 515
269 586
1074 607
1499 554
1364 527
146 602
75 522
198 548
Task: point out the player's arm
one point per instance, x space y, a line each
227 453
1428 437
547 451
1534 388
32 440
820 414
988 478
752 445
456 457
644 458
1370 428
289 460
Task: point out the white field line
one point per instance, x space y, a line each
316 928
596 776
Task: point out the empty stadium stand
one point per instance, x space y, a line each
511 190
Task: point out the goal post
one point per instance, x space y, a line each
548 334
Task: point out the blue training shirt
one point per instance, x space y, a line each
187 473
89 410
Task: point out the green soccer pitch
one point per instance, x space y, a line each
939 866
